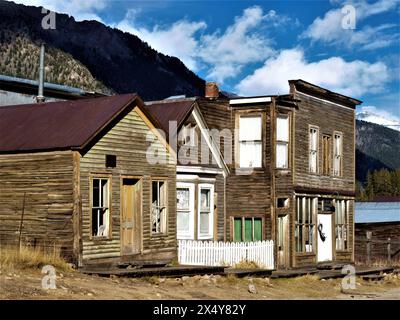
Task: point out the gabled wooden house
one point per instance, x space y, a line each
201 169
292 174
78 175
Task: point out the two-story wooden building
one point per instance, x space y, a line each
292 171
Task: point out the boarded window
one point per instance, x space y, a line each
250 141
100 207
159 207
326 155
313 152
247 229
282 141
342 224
337 156
305 223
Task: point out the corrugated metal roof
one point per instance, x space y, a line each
369 212
58 125
170 110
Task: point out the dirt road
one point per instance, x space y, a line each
73 285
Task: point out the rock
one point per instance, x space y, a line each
71 265
161 280
185 278
252 288
323 279
158 295
206 277
90 294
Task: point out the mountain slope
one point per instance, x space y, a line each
121 61
377 147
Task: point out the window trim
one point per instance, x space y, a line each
340 174
247 113
316 128
287 143
210 234
107 177
191 186
165 232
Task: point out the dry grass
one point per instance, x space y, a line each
31 258
246 265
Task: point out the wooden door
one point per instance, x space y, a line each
131 205
283 242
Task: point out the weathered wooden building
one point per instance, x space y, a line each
292 172
79 175
201 169
377 231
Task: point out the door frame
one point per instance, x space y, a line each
140 215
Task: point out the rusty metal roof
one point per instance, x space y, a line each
59 125
170 110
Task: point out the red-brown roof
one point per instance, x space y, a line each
166 111
59 125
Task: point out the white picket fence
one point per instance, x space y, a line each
214 253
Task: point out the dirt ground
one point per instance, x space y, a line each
74 285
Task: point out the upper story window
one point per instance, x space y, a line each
250 141
337 155
187 135
313 149
100 207
159 207
282 141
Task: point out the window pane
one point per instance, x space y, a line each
96 193
250 154
248 230
281 155
205 200
282 128
204 222
250 128
183 221
237 232
257 230
104 194
162 192
154 193
182 195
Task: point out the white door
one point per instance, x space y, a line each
324 234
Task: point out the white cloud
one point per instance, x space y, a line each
329 28
80 10
352 78
222 53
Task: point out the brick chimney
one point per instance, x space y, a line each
212 90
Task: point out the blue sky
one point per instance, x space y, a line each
254 47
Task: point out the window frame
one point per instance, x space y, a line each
190 234
210 234
282 142
107 177
340 172
303 226
345 223
243 219
316 128
238 141
163 232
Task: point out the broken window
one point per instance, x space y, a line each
341 224
305 223
337 156
282 141
250 141
247 229
187 135
282 202
313 145
159 207
326 155
100 207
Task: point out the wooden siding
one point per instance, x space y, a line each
46 179
127 141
